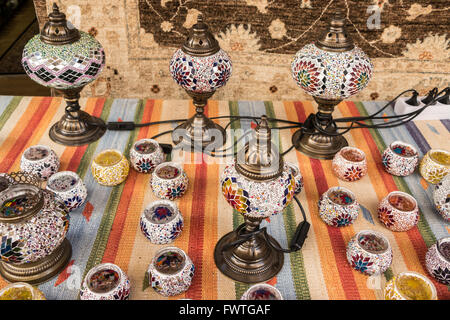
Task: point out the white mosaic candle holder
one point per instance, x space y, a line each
161 222
105 282
171 271
369 252
437 260
145 155
441 197
262 291
400 158
39 160
350 164
398 211
297 177
69 187
169 181
338 207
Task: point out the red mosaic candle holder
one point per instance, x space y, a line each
350 164
398 211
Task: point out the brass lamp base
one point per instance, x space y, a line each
76 132
252 261
76 127
316 144
40 271
199 132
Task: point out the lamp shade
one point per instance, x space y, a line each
63 66
331 75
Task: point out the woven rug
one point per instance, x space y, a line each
106 228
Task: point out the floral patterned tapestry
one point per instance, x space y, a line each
408 41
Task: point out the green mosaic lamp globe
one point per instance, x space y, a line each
66 59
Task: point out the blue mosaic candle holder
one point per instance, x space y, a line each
66 59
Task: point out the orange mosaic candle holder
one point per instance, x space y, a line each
398 211
110 167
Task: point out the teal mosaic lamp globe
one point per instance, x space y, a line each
66 59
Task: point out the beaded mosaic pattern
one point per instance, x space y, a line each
105 282
369 252
166 184
145 155
63 66
168 274
432 170
33 161
110 175
398 211
400 159
257 199
161 222
441 197
69 187
349 164
438 261
37 237
200 74
338 207
331 75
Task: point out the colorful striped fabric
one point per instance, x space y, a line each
106 228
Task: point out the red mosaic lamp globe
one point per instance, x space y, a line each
66 59
331 69
200 67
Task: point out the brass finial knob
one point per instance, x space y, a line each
56 31
200 41
259 159
336 37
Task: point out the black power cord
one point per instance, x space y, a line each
297 240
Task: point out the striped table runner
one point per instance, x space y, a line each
106 228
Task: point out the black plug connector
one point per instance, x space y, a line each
167 148
445 99
121 126
300 236
430 97
413 101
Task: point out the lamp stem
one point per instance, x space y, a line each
72 97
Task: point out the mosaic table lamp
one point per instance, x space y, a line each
257 185
331 69
200 67
66 59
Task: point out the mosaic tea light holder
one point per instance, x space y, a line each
369 252
171 271
161 222
437 260
262 291
400 159
338 207
21 291
110 167
441 197
331 69
69 187
299 184
200 67
410 286
33 228
258 185
169 181
349 164
145 155
435 165
398 211
66 59
105 281
39 160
